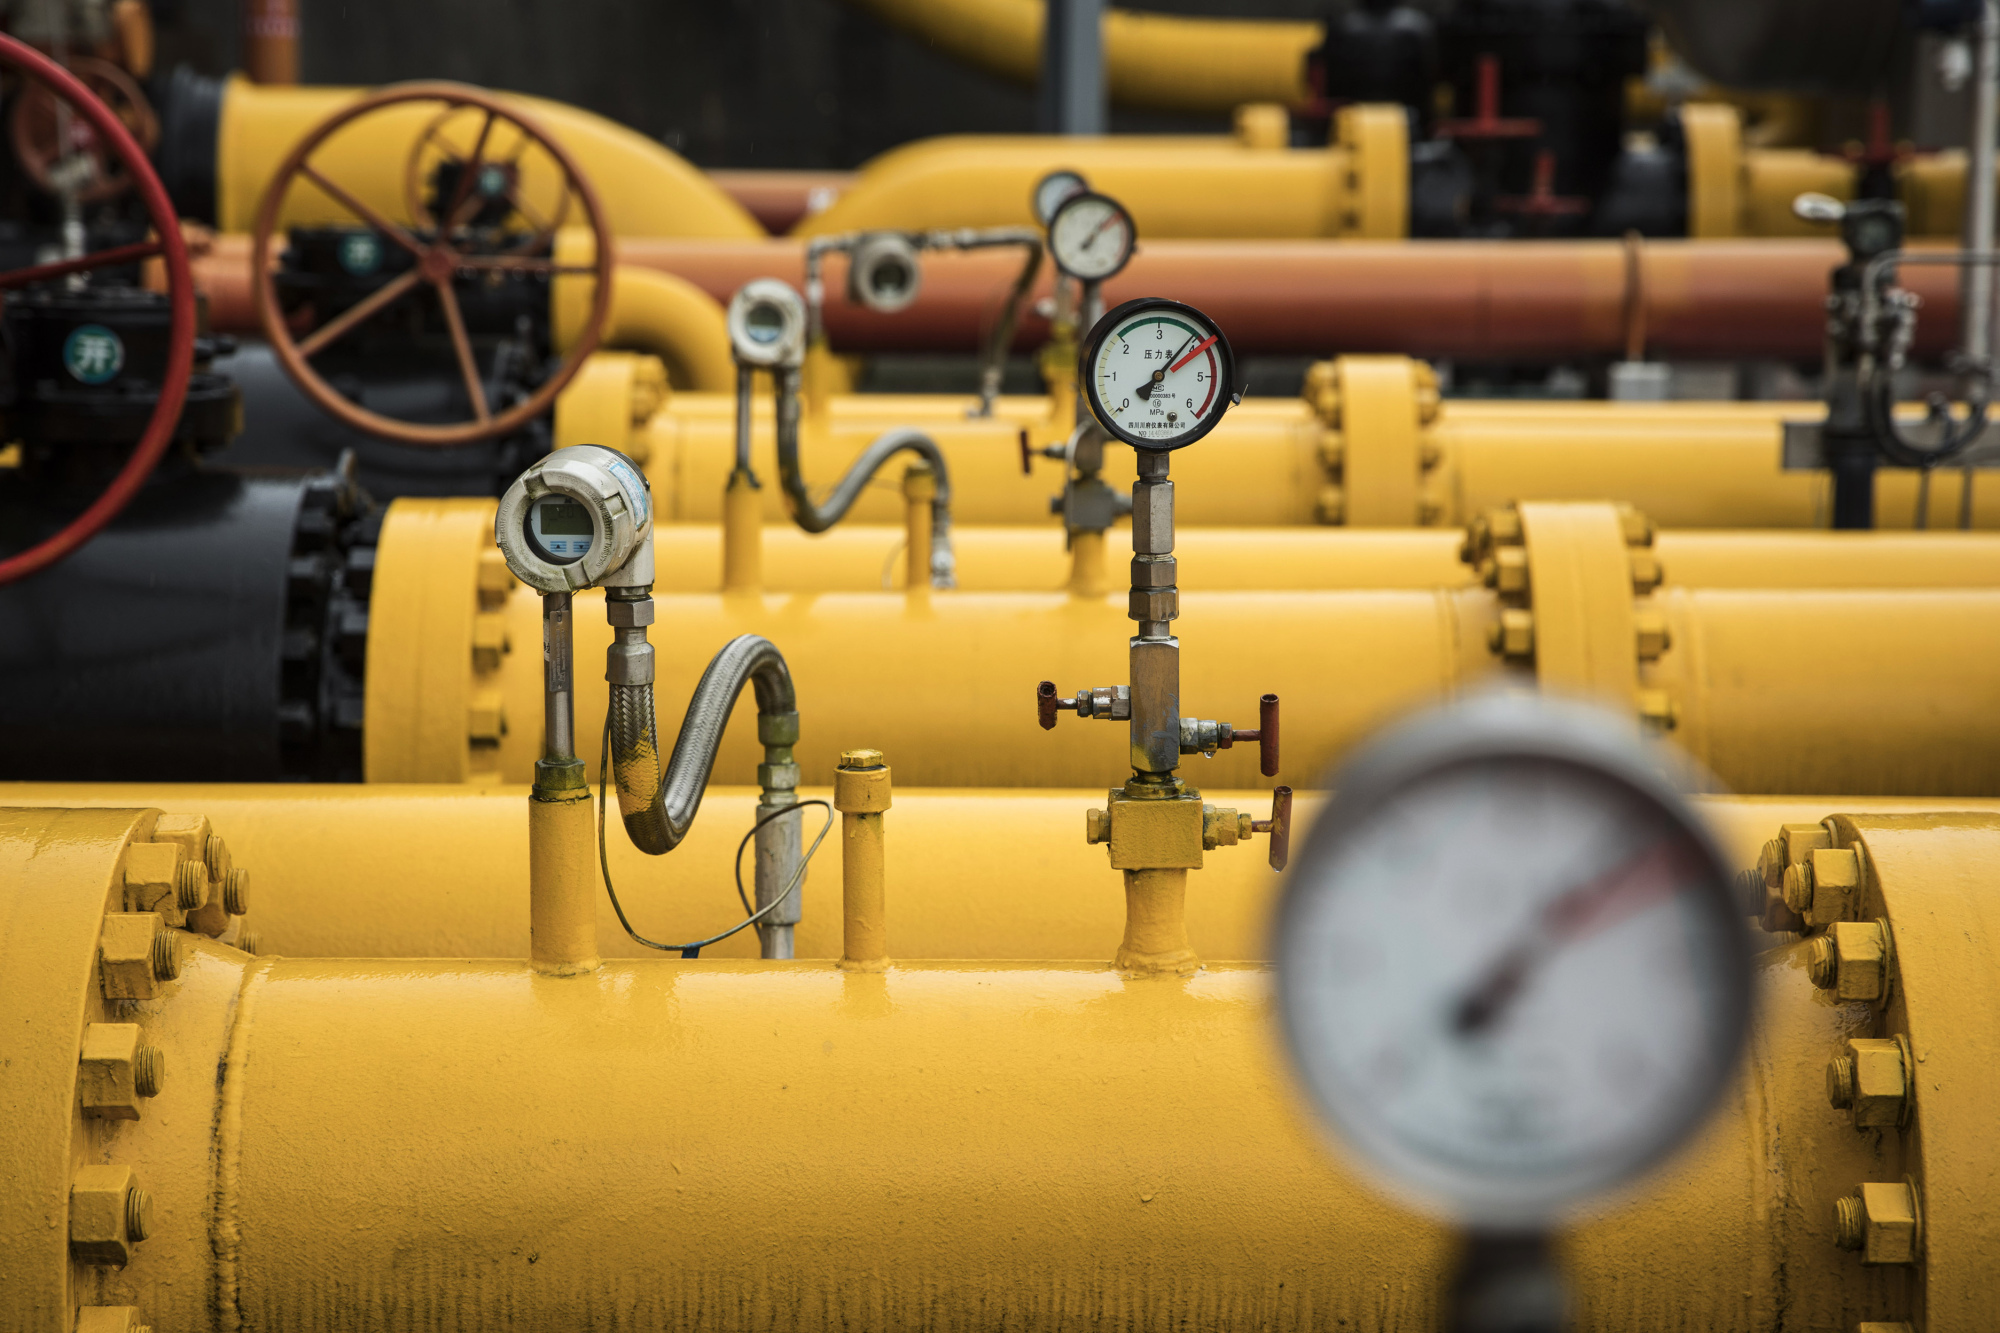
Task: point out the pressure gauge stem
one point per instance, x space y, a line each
558 679
1154 604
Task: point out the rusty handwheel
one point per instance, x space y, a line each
462 237
497 191
45 130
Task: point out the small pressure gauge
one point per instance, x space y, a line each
1053 191
883 274
1511 970
576 519
767 324
1157 374
1091 237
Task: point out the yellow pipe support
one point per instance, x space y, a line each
644 188
1176 187
1131 1143
920 488
1156 930
1280 462
861 792
652 312
347 871
562 878
1158 61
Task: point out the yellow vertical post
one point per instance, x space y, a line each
1156 938
919 493
742 534
861 794
562 871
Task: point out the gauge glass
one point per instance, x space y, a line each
1053 190
560 528
1091 237
1512 984
1158 374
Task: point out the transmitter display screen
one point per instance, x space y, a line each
560 529
563 518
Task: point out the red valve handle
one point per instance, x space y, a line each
1279 826
1048 703
1266 735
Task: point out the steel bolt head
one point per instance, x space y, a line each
860 759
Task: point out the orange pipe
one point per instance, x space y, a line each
1474 300
780 200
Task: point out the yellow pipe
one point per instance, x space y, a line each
1175 186
389 870
1159 61
855 557
1277 462
1133 1144
652 312
644 188
861 792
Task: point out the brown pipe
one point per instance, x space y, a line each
780 200
271 40
1471 300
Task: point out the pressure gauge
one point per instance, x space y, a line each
1052 191
883 274
579 518
1091 237
1157 374
1511 969
767 324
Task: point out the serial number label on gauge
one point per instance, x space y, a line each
1158 376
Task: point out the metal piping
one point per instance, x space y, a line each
821 516
1976 311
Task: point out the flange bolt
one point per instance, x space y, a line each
236 893
1821 964
138 1214
166 955
191 886
149 1070
1840 1082
1850 1229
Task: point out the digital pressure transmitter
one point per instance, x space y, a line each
580 518
767 324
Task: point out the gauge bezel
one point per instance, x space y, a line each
1046 216
606 483
789 347
1229 391
1131 234
1544 732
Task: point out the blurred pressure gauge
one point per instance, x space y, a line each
575 519
1052 190
1091 237
1511 970
1157 374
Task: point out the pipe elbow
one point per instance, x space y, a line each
651 311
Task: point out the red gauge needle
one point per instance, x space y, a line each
1594 905
1192 353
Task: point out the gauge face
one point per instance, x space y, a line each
1091 237
1053 190
1158 374
1512 981
560 528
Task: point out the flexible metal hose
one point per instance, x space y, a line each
658 807
818 517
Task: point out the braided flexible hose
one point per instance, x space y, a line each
658 807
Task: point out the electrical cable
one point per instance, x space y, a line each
693 948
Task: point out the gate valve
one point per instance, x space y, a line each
1208 737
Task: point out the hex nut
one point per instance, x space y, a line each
1153 517
1860 951
1510 577
1836 881
150 869
108 1215
1154 604
1869 1078
1220 827
1514 637
861 783
116 1069
1646 571
127 953
1157 571
236 893
1881 1220
1658 710
1652 635
1096 826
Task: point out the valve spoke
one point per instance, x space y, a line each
339 325
468 170
520 264
122 254
467 365
362 211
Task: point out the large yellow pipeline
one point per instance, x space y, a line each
1175 186
1167 62
725 1145
644 188
385 870
858 557
1279 461
652 313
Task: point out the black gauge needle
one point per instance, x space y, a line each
1594 905
1173 363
